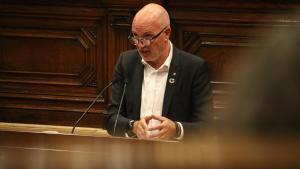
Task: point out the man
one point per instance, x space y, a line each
168 93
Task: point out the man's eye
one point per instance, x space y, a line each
148 37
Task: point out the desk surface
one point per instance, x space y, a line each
52 128
30 150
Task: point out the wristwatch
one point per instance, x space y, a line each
129 130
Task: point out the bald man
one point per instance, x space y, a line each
168 94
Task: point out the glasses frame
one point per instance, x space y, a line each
135 41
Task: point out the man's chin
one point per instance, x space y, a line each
146 55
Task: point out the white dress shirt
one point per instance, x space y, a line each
153 90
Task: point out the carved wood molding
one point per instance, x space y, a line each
120 21
52 75
235 5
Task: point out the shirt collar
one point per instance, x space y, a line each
167 62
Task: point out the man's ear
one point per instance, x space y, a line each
168 32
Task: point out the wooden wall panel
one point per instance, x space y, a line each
119 29
52 62
224 33
27 51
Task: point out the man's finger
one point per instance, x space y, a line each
158 127
144 123
147 119
159 118
158 135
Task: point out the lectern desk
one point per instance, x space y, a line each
27 150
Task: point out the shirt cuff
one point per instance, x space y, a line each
181 132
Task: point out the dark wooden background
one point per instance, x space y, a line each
55 56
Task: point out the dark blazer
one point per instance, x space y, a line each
188 100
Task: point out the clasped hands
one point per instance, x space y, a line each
166 129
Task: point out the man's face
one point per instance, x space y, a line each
150 49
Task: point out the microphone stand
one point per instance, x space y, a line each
121 101
90 106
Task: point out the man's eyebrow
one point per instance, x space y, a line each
149 33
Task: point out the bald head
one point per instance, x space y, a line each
152 23
152 14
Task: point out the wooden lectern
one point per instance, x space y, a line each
28 150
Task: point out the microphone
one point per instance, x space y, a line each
90 106
121 101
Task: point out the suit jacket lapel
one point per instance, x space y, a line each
171 82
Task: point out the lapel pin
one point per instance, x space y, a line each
171 80
174 74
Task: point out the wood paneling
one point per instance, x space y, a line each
119 29
225 32
52 62
55 56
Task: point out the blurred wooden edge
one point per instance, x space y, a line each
85 131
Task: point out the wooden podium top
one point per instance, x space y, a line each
32 150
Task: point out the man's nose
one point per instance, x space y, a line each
140 44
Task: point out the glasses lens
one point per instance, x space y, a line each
133 41
143 41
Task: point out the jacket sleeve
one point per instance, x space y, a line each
201 101
117 90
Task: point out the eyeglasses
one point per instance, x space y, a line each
144 40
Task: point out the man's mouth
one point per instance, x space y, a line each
144 51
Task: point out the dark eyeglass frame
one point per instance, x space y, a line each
135 41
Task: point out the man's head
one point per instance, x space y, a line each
151 28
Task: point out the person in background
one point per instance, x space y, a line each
168 93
